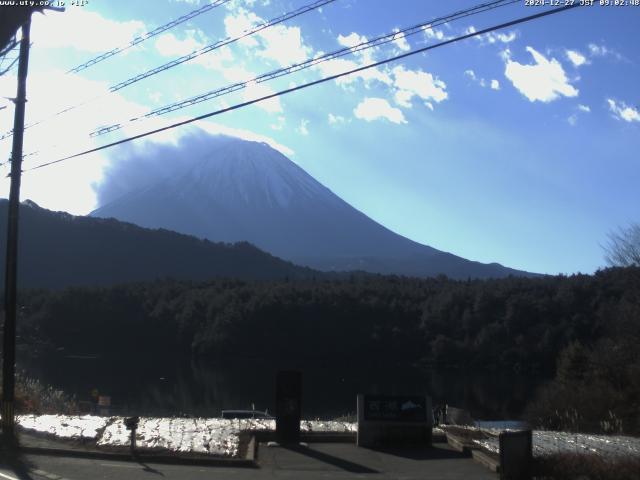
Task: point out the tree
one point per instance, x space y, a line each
623 248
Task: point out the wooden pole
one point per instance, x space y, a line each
11 272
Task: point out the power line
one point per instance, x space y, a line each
375 42
7 69
222 43
310 84
26 155
196 53
146 36
13 43
381 40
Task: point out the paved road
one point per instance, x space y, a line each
319 461
65 468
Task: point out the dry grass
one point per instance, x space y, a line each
577 466
34 397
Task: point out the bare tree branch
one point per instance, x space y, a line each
623 248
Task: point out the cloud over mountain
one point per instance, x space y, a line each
227 189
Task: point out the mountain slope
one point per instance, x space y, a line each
247 191
57 249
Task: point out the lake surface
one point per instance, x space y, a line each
170 387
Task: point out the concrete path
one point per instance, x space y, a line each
344 460
318 461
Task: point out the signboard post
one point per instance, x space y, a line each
389 420
104 404
515 455
288 407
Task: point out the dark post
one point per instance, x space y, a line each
288 407
516 455
132 425
11 273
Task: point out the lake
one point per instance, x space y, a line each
170 387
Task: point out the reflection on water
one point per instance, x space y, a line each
172 387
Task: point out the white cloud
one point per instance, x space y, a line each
622 111
340 65
280 122
576 58
361 58
237 74
603 51
403 98
279 43
67 186
255 90
544 81
284 45
83 30
433 33
220 59
302 128
216 129
374 108
73 126
400 41
410 83
335 119
597 50
169 45
155 97
238 23
351 40
493 37
495 85
573 118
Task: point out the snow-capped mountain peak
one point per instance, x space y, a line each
239 190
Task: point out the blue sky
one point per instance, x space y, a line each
519 147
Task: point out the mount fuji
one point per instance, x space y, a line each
238 190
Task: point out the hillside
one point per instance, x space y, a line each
57 249
237 190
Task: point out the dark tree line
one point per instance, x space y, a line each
513 323
587 325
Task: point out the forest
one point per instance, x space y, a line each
581 329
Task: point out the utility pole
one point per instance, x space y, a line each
11 273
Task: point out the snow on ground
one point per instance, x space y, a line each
199 435
214 436
218 436
64 426
500 425
548 442
332 426
221 437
